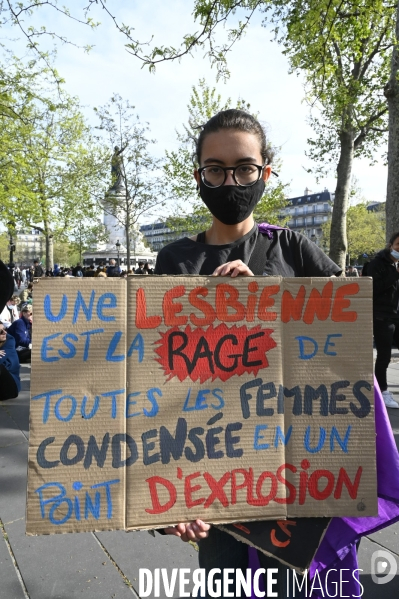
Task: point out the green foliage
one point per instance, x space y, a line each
343 48
51 165
189 214
365 229
4 251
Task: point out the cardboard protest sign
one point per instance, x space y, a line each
293 542
77 416
164 399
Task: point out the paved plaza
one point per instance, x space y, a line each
105 565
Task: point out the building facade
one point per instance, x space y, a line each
307 213
157 235
30 245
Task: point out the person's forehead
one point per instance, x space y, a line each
230 146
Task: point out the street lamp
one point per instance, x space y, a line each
118 245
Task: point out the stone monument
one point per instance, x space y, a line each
115 247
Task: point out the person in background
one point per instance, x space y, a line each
148 269
21 330
385 311
26 295
38 271
77 271
113 270
10 312
10 384
90 272
352 272
17 276
140 270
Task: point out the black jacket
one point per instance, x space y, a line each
385 284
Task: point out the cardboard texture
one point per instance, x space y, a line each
157 400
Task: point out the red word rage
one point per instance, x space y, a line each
217 352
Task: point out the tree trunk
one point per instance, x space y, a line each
338 237
127 236
49 250
391 92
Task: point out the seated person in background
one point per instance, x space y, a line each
10 312
27 293
10 384
21 330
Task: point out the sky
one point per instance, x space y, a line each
259 73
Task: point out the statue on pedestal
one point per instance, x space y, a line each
116 169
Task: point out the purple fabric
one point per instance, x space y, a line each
268 229
338 548
254 564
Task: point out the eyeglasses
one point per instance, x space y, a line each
244 175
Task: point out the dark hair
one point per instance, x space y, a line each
239 120
393 237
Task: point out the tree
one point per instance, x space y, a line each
141 184
365 229
62 169
190 214
342 47
21 86
86 236
391 92
4 247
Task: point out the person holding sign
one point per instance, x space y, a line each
234 161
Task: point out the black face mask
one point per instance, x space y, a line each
231 204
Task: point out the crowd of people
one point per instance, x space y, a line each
25 276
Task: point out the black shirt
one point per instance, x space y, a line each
289 254
385 285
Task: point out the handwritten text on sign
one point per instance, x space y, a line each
171 398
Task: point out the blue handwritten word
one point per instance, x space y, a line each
67 406
70 340
106 301
303 355
308 443
73 507
200 400
334 435
279 436
71 404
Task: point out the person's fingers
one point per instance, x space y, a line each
243 271
236 266
181 527
172 530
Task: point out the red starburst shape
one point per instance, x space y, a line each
216 352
